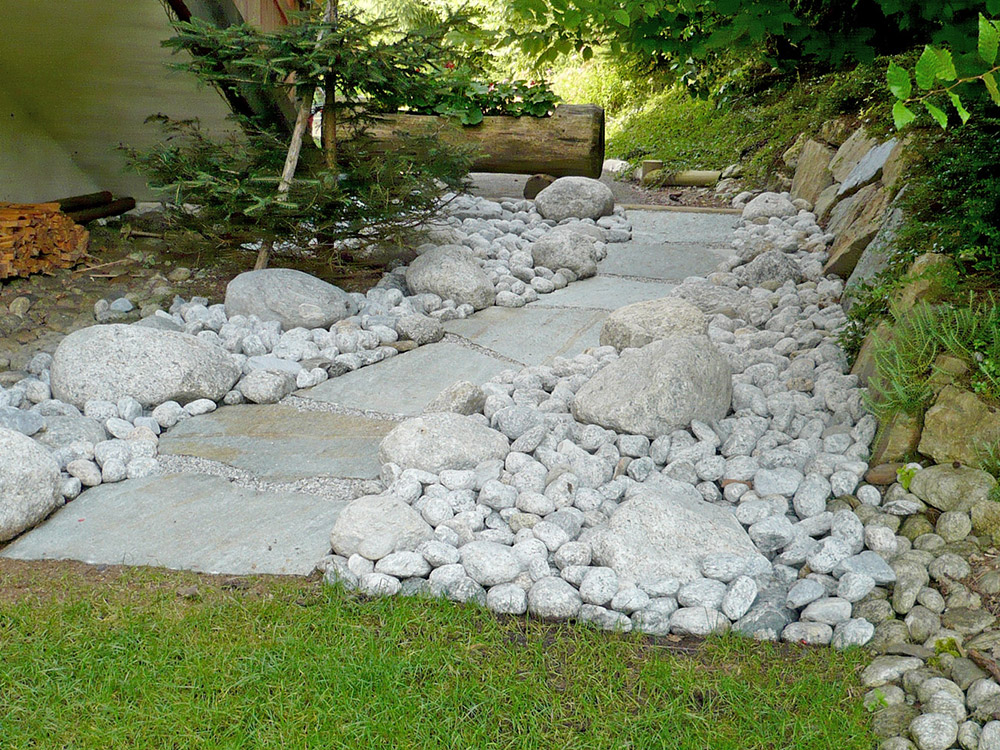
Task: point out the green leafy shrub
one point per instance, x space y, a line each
604 82
941 78
695 36
753 128
453 91
954 199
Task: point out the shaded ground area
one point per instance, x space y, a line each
36 312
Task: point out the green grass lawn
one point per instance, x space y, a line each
122 659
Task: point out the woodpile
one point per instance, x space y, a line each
38 238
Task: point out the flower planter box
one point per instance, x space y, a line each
569 142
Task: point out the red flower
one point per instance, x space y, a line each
450 65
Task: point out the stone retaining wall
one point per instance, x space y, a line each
855 183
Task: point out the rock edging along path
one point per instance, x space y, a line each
507 493
326 444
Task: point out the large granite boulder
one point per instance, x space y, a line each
668 383
665 529
575 197
442 440
957 425
109 362
29 483
566 249
642 323
947 487
374 526
451 272
293 298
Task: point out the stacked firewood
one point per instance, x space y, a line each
38 238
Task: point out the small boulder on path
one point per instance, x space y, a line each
575 197
773 265
442 440
669 383
374 526
642 323
566 249
293 298
451 272
665 530
766 205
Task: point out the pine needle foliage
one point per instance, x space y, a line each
371 193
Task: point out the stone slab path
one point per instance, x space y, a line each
256 489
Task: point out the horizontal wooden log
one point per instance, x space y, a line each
569 142
115 208
78 202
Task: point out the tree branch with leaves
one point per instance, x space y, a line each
938 80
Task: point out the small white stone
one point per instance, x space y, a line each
740 596
378 584
200 406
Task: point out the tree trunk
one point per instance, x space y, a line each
330 102
570 142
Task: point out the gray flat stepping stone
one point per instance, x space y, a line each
281 443
604 293
186 522
661 260
406 383
682 227
532 335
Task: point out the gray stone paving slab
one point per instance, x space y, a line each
406 383
186 522
666 260
281 443
533 335
604 293
682 227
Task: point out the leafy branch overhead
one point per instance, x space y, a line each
937 79
424 71
703 41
